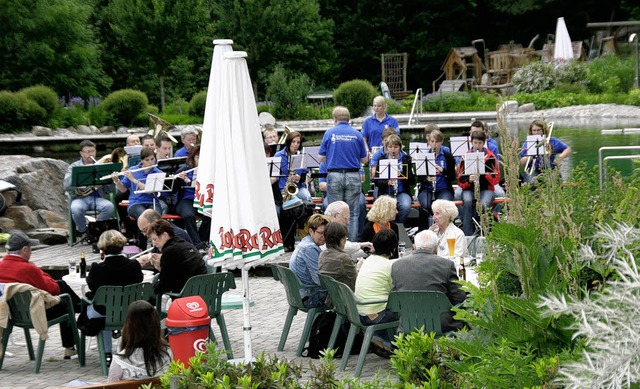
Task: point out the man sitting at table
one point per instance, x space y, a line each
144 221
15 267
180 260
423 270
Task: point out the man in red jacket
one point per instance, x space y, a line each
15 267
486 182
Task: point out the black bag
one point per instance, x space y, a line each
321 334
95 229
90 327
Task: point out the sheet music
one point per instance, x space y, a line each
474 163
425 164
133 150
460 145
297 162
311 156
154 183
417 148
534 145
273 164
388 169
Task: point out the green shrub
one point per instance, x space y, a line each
43 96
395 107
179 107
197 104
97 116
634 97
124 105
18 113
356 95
414 358
71 117
287 92
610 74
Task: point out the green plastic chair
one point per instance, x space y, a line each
345 305
211 287
292 288
420 309
21 317
116 300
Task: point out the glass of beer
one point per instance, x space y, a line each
451 242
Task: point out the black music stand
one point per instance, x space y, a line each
93 175
171 165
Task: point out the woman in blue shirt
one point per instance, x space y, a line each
556 151
292 147
135 180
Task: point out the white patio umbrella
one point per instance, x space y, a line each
204 179
244 226
562 48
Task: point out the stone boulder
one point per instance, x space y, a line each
43 199
41 131
107 129
528 107
83 130
50 236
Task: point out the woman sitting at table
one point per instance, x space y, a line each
142 352
380 217
374 284
444 212
115 269
334 261
135 181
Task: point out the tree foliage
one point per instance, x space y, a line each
289 32
50 42
153 35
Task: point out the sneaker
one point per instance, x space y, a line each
69 352
108 357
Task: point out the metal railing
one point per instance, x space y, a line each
602 162
416 100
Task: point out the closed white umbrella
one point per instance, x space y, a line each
244 226
562 48
204 179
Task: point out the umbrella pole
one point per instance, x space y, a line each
248 357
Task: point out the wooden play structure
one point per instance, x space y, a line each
394 74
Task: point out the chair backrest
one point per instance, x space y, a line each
19 308
291 285
342 298
331 285
420 308
116 300
210 287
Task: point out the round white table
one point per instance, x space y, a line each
79 285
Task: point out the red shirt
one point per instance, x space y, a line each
17 269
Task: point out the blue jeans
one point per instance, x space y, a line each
315 299
185 209
81 205
383 317
106 335
346 187
486 198
404 207
425 199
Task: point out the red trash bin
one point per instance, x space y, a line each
188 324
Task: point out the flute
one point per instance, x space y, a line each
116 174
185 172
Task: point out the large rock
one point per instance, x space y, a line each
24 218
43 199
83 130
41 131
50 236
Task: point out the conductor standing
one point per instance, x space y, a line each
343 149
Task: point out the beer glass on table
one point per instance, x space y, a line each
451 242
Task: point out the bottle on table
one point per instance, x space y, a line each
462 271
83 266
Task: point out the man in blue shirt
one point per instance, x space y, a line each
188 137
304 262
344 150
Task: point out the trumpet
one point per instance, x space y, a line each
117 174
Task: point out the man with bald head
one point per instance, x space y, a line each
344 151
144 221
338 211
133 140
423 270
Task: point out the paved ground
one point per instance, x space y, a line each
267 315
